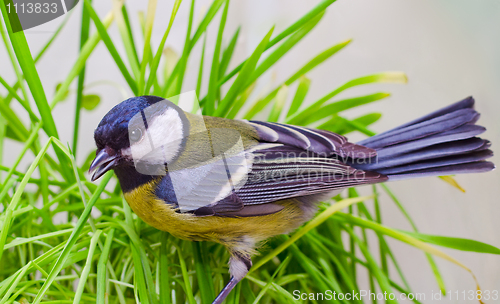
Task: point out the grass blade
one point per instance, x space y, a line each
86 268
279 103
404 238
382 279
84 36
203 273
318 59
14 123
165 291
228 53
143 274
300 95
19 276
453 182
320 218
240 101
430 259
52 38
185 52
341 126
23 102
200 71
157 57
318 9
29 142
101 29
455 243
339 106
101 268
9 212
185 277
123 23
85 52
23 54
214 77
269 283
59 264
202 27
281 50
148 29
387 77
241 80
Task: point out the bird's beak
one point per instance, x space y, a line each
102 163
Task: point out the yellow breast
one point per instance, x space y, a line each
225 230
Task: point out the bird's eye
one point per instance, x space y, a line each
135 135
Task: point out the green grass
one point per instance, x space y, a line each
113 257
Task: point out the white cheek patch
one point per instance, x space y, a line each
161 140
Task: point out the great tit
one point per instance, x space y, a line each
239 182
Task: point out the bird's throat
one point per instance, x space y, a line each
130 179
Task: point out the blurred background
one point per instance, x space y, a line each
448 48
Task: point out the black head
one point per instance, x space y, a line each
123 125
112 131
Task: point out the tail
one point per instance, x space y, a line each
442 143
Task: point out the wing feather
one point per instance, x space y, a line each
285 162
317 141
276 176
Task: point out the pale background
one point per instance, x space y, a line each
448 48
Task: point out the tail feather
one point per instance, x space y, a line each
460 133
439 162
433 152
422 129
441 143
475 167
467 103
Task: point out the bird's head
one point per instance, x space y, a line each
145 128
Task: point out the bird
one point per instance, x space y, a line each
239 182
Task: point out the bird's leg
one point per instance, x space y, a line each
225 291
239 264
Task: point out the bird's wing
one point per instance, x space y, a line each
321 142
281 172
287 162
